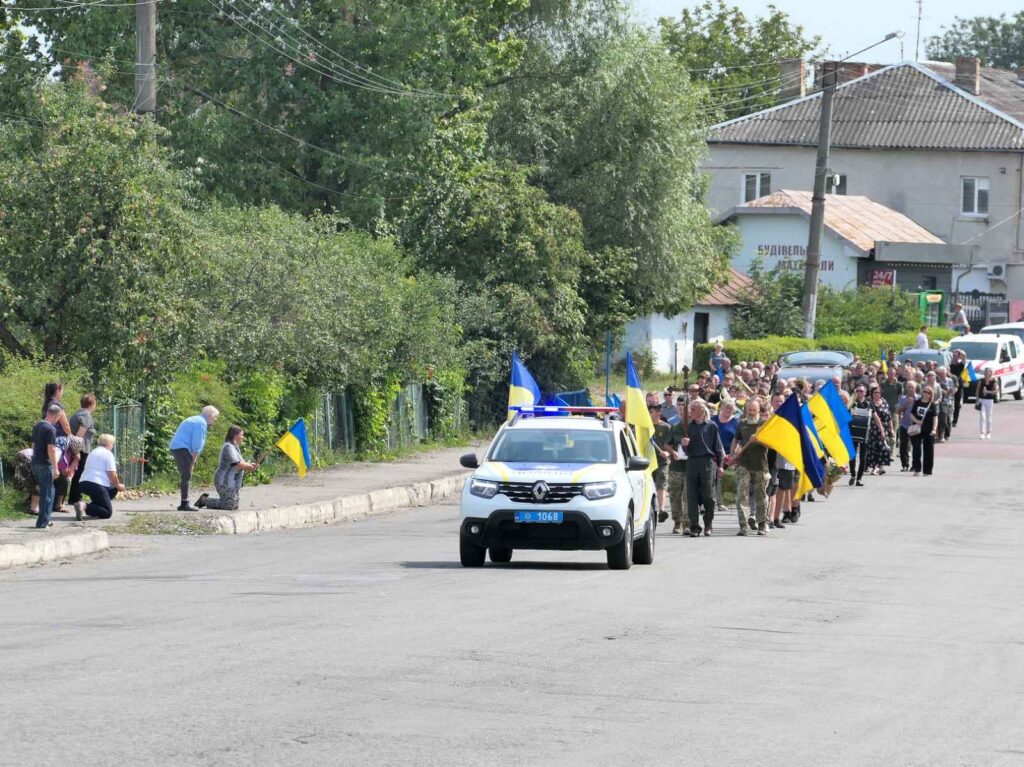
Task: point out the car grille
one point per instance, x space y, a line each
522 492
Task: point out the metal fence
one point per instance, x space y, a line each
333 424
407 424
983 308
127 422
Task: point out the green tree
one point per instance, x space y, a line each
735 58
865 310
772 307
609 126
997 40
96 247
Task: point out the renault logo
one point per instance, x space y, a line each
540 490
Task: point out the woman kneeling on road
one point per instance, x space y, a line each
99 481
230 473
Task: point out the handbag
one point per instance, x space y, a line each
977 404
914 429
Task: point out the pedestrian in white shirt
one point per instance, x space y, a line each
922 338
99 481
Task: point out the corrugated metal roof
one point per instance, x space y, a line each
858 220
1000 88
729 293
905 106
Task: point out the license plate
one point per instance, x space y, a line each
548 517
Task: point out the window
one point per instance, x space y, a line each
1004 354
757 184
701 321
836 184
974 196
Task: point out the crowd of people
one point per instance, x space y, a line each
67 462
707 427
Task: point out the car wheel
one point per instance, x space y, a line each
470 553
501 556
643 550
620 556
1019 394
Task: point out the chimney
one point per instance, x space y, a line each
794 80
968 74
845 71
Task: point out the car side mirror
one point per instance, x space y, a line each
636 463
469 461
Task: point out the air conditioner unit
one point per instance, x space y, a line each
996 271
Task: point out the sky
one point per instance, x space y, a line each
848 27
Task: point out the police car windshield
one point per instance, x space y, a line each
976 350
555 446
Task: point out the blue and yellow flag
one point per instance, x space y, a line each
522 389
812 431
830 394
969 375
295 445
639 417
786 434
828 429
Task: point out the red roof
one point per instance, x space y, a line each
731 292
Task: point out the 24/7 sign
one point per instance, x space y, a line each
882 278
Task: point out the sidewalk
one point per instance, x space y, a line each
345 491
22 544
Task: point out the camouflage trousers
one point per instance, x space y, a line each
744 479
677 495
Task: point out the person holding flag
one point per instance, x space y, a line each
786 433
639 417
522 389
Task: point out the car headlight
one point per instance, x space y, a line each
597 490
483 488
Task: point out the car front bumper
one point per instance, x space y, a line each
577 532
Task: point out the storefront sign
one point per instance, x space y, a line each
790 258
882 278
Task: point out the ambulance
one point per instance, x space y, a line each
1002 353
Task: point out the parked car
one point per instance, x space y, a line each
1001 353
941 357
559 478
815 366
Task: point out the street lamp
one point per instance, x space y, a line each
813 263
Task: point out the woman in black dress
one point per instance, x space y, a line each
924 423
878 453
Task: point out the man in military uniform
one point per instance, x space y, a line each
751 470
661 434
677 470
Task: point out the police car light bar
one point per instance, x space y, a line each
537 411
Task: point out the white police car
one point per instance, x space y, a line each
559 478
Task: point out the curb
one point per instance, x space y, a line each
45 548
338 510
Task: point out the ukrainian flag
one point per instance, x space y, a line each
786 434
842 416
829 433
522 390
295 445
640 418
969 375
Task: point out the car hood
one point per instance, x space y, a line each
498 471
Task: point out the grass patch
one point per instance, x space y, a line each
13 504
159 524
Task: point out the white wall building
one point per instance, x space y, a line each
670 340
942 145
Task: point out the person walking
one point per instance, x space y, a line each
676 479
945 390
987 391
727 423
186 445
904 411
877 453
82 426
45 457
751 458
958 320
660 438
860 409
956 370
231 471
923 428
704 466
100 481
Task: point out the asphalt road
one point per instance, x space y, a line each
885 629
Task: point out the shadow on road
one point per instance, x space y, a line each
510 566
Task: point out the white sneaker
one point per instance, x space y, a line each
981 436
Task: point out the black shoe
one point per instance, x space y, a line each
859 483
695 532
787 516
779 526
794 517
707 530
662 516
201 500
186 506
751 522
852 480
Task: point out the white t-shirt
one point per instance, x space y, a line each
922 341
100 461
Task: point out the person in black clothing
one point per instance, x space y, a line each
956 369
924 426
704 466
860 409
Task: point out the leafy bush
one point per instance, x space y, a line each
867 346
22 381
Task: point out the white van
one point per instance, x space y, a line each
1002 353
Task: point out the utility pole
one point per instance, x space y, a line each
813 263
145 56
917 44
